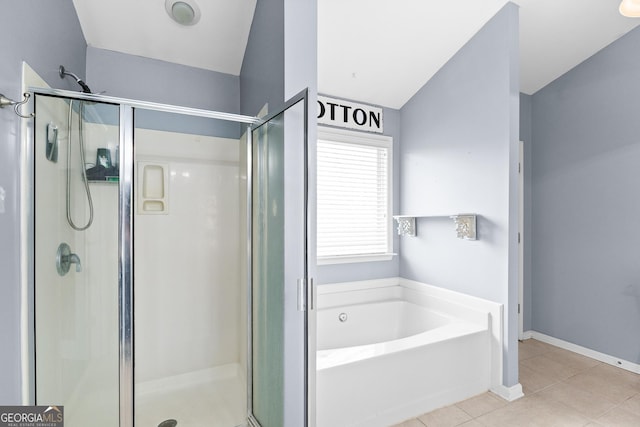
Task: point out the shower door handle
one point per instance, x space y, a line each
302 295
306 298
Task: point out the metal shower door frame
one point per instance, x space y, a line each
125 221
305 291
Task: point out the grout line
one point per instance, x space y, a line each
456 405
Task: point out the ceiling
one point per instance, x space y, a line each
376 51
383 51
143 28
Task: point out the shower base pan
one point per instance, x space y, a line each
211 398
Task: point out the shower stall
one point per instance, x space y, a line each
167 248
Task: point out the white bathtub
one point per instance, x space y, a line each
392 349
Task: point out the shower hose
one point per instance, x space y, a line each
82 167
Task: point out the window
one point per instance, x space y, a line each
354 196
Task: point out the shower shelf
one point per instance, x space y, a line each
103 174
465 224
106 179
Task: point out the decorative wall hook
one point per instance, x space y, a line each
4 101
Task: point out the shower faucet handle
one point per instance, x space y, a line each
64 259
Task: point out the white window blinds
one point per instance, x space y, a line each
354 195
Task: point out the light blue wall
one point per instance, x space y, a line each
586 152
135 77
373 270
262 73
526 136
45 34
129 76
280 59
458 154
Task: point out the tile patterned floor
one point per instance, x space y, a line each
561 389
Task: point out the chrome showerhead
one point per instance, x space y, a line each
82 84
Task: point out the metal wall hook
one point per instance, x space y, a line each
4 101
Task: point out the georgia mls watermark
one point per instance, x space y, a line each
31 416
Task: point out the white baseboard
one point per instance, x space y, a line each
508 393
527 335
602 357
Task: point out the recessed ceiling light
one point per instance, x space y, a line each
184 12
630 8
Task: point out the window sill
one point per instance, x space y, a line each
354 258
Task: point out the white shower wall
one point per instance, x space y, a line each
189 306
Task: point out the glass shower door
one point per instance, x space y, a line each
278 326
190 307
76 259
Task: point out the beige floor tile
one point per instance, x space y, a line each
617 374
549 367
534 381
561 389
576 361
531 348
449 416
584 401
619 417
410 423
621 375
482 404
632 404
613 383
525 404
534 412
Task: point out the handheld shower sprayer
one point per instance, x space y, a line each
82 84
63 73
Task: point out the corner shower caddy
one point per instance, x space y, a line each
465 225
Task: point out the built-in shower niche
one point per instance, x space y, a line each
153 188
190 306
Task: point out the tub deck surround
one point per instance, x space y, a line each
392 349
